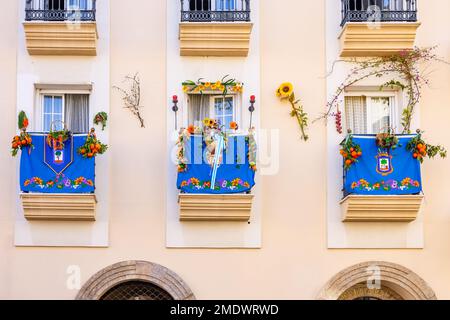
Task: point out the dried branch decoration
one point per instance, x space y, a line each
132 97
404 66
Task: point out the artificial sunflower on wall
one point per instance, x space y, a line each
286 92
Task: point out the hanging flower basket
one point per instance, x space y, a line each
56 138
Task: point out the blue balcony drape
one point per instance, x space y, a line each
376 173
41 172
234 175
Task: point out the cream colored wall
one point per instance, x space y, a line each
294 262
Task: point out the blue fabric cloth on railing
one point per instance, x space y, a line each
44 170
234 175
380 173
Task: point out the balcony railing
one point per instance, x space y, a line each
60 10
378 10
215 10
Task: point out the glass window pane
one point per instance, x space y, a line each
57 105
47 122
227 121
83 5
380 114
48 104
228 106
218 107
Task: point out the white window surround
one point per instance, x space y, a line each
395 102
237 108
38 123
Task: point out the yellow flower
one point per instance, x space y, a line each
208 84
278 93
286 89
213 87
218 84
206 121
201 87
197 89
185 88
222 88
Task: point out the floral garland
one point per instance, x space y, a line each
101 117
350 151
183 137
60 182
420 149
286 92
405 184
252 148
92 147
225 85
232 184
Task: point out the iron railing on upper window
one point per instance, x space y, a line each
378 10
215 10
60 10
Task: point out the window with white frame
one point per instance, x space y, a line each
59 110
219 107
206 5
79 4
370 114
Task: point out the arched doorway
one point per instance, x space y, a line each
377 280
135 280
136 290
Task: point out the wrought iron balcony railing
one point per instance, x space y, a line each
215 10
60 10
378 10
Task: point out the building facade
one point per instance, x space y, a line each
295 236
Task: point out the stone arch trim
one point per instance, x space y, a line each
121 272
404 281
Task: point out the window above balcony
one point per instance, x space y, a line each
215 10
377 27
61 27
60 10
215 28
379 10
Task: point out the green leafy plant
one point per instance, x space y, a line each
387 140
101 117
420 149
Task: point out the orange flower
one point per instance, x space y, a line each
234 125
191 129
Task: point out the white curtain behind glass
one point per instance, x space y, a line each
356 114
198 108
77 112
380 114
